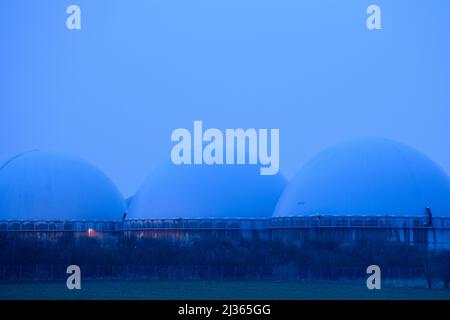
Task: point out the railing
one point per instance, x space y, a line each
59 226
391 222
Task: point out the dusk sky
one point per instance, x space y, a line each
113 92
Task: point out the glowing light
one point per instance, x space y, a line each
90 232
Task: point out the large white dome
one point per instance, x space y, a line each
371 176
40 185
217 191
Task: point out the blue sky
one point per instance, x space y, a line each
114 91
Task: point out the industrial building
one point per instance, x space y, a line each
219 192
42 185
364 190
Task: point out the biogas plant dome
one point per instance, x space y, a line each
207 191
371 176
41 185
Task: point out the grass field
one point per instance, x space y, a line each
180 290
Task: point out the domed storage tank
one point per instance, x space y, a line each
370 176
41 185
203 191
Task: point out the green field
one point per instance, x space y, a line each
258 290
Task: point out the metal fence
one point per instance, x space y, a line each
22 273
414 230
438 223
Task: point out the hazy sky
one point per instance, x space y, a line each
113 92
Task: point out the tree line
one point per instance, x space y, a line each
235 257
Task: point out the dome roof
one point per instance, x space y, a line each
217 191
371 176
40 185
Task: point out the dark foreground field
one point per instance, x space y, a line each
259 290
